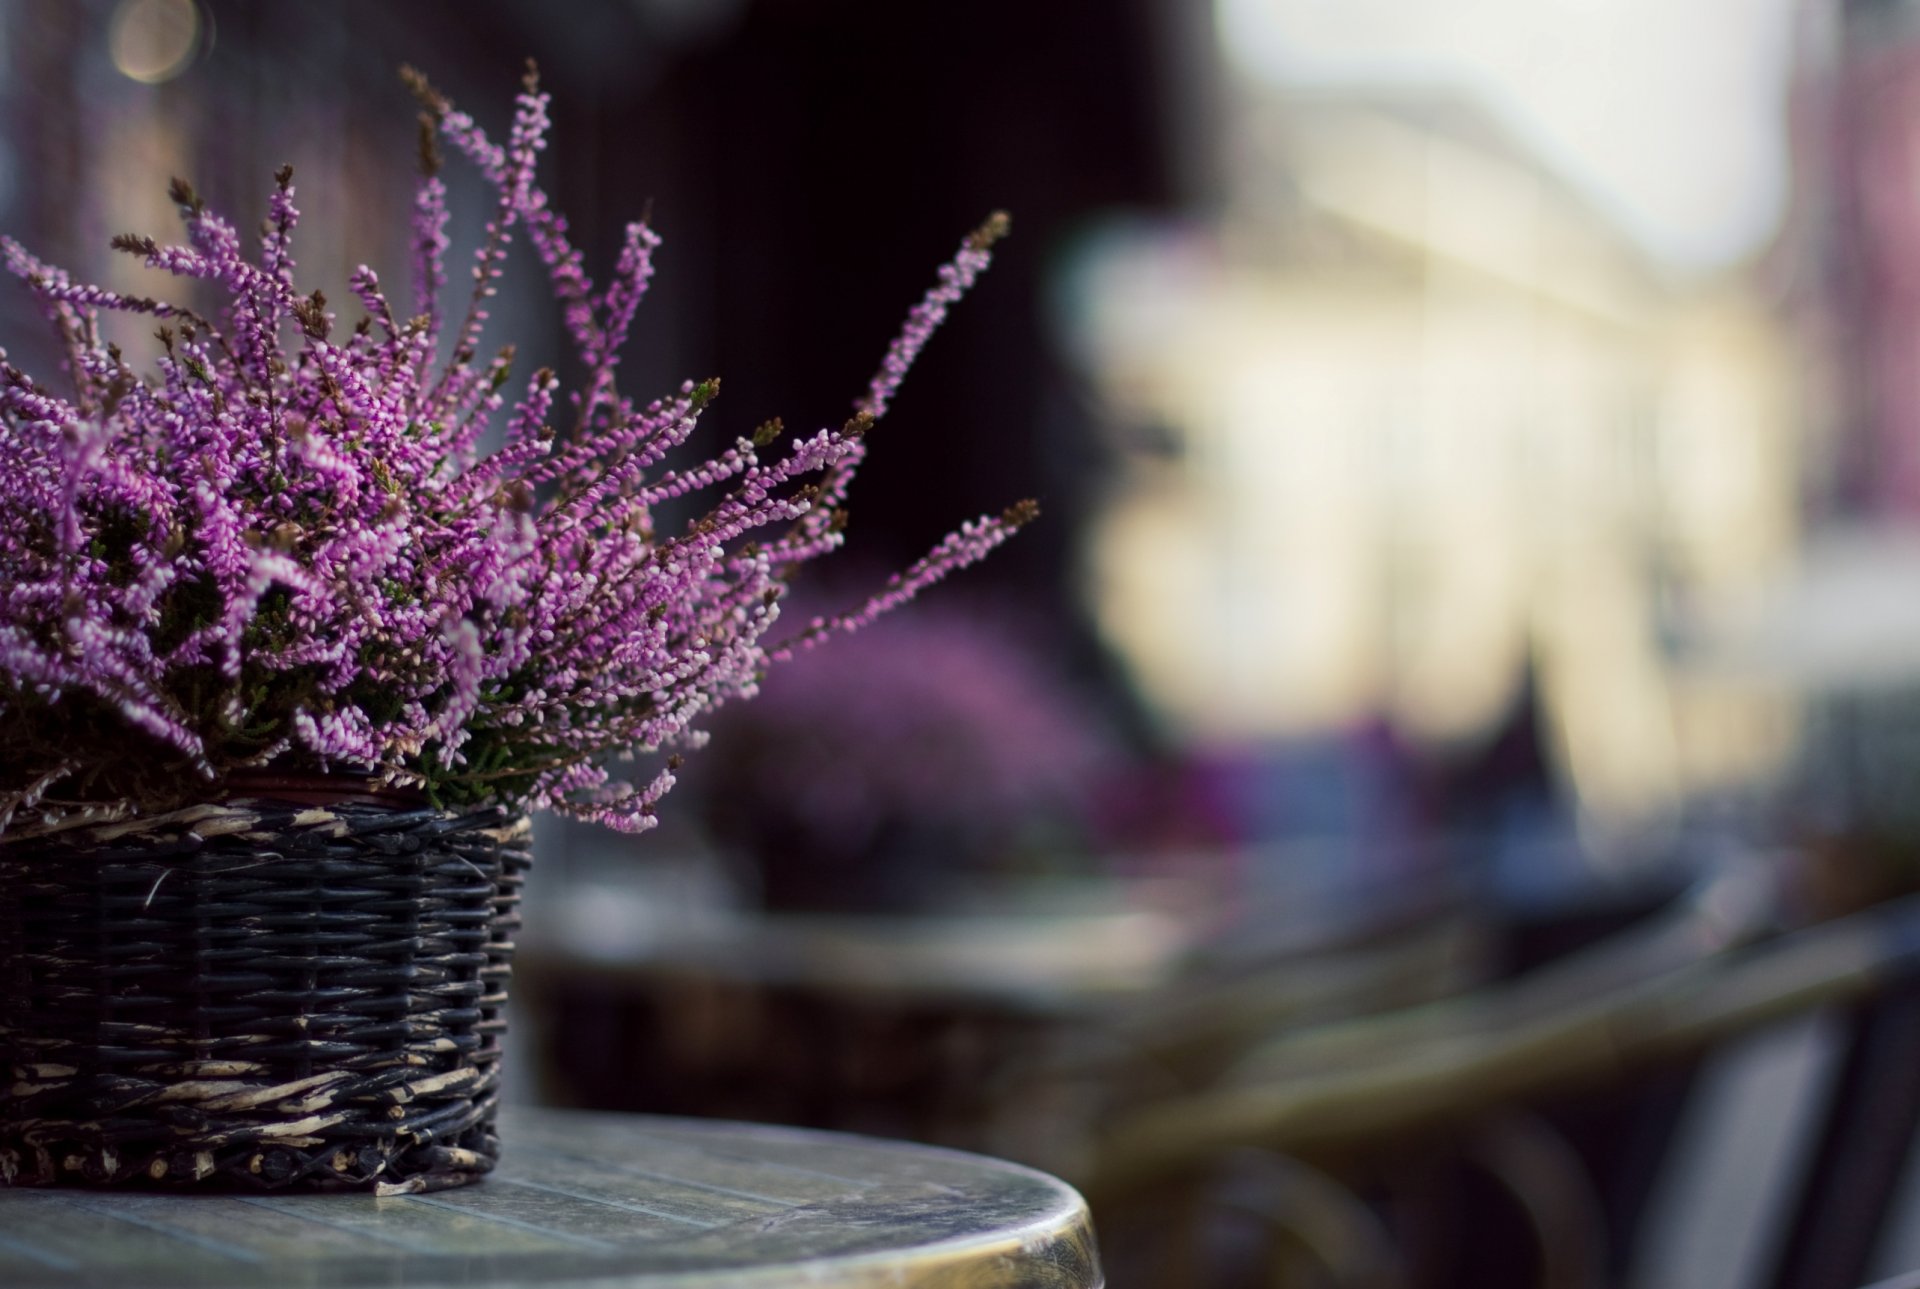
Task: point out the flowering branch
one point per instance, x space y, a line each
286 546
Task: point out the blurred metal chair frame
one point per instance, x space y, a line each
1460 1071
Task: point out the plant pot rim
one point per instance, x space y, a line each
234 795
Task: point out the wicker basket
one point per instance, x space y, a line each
263 993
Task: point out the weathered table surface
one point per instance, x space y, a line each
611 1201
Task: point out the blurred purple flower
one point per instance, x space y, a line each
942 720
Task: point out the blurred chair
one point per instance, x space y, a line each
1396 1128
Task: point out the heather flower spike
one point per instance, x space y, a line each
283 544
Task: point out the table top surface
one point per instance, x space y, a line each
611 1201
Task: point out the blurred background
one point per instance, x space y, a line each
1434 800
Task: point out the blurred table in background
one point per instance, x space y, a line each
898 1026
946 1026
1066 949
615 1201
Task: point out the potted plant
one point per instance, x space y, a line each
287 654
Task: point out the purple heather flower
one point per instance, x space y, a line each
282 544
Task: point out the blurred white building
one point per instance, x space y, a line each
1411 413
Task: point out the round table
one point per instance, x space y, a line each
610 1201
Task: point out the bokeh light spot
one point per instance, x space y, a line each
154 40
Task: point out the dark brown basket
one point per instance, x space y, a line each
261 993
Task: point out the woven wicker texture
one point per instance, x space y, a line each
257 993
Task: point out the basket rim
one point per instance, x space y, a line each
247 787
238 814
